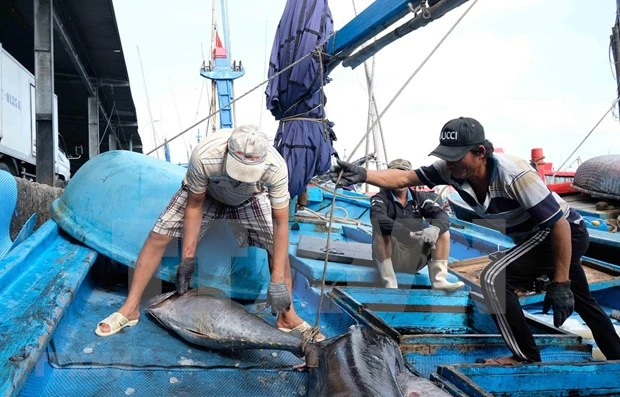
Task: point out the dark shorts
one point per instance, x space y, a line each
410 257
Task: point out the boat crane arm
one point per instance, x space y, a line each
375 19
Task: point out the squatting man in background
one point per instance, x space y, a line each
400 239
235 177
549 236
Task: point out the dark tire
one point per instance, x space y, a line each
4 166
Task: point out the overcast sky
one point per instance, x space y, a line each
535 73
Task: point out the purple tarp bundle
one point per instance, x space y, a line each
295 97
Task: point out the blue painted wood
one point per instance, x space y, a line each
402 312
357 234
315 194
348 274
37 284
376 17
426 352
408 311
352 274
400 298
25 231
464 215
608 298
480 234
536 380
347 196
417 310
447 385
606 238
114 200
427 322
8 198
430 335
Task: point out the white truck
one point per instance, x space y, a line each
18 131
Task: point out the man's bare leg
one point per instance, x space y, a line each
287 319
442 247
381 247
290 319
148 261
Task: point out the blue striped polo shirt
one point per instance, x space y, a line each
518 202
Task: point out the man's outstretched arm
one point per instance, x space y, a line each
389 179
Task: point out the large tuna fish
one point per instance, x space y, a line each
209 318
364 362
361 362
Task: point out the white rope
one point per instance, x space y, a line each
411 78
613 105
338 219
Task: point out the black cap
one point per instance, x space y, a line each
457 137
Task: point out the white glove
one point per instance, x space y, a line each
429 235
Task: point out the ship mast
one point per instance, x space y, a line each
221 71
615 47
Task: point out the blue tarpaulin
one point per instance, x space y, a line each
295 97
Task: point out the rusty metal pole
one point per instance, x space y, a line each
615 48
44 96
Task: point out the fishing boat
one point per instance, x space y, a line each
68 283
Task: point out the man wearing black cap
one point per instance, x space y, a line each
410 230
550 237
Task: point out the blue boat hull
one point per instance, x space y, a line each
112 203
604 245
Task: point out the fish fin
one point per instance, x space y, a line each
207 291
156 300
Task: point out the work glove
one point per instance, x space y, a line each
278 297
429 235
351 173
184 275
560 297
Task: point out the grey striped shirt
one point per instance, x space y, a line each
517 197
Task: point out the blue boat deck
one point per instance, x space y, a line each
539 380
147 360
435 328
37 285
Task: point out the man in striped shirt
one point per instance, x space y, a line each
237 177
550 237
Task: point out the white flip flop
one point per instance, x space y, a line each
116 322
303 328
